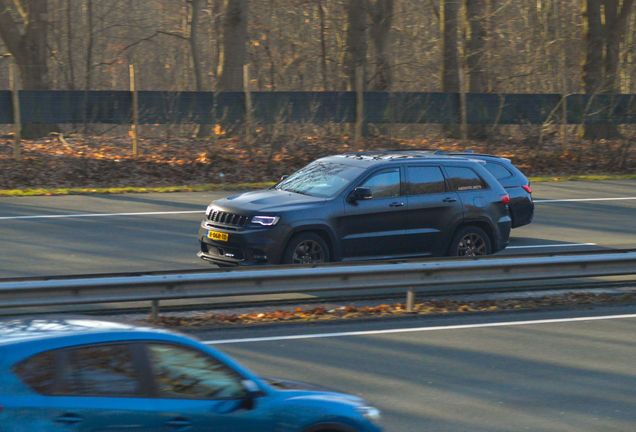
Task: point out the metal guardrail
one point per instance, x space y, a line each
421 277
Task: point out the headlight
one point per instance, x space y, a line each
265 220
370 413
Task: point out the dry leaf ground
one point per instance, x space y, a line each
107 162
428 307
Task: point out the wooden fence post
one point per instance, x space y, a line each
135 107
248 106
357 134
17 121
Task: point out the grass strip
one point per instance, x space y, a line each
583 178
125 190
239 186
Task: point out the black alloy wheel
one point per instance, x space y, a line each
306 248
469 242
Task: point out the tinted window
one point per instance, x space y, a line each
38 372
101 370
498 171
385 184
184 373
426 180
464 179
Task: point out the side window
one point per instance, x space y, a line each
184 373
384 184
101 370
464 179
498 171
38 372
426 180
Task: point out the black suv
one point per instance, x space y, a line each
365 205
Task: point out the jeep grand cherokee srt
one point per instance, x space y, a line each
359 206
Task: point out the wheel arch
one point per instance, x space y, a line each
484 225
320 229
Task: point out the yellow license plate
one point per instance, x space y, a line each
217 236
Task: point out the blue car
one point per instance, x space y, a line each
85 374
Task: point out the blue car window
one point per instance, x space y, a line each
498 171
101 370
38 372
184 373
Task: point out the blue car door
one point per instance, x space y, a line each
102 389
196 392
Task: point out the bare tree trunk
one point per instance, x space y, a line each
69 46
475 56
26 41
450 53
323 44
234 46
381 13
356 54
593 52
195 48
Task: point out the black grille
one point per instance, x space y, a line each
225 218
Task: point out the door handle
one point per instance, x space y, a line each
396 204
449 199
69 419
179 423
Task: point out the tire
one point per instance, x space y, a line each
470 241
306 248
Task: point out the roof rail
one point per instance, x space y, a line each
468 151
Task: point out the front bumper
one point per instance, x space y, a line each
245 246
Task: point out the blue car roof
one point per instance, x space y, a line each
29 329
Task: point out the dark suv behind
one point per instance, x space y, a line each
366 205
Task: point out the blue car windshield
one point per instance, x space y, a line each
320 179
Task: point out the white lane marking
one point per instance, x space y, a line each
417 329
551 245
99 215
583 199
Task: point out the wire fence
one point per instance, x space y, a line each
165 107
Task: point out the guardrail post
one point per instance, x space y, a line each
359 106
410 299
154 311
135 113
17 121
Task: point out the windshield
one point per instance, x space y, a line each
320 179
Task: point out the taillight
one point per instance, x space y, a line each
505 198
526 188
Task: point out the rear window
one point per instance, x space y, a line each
498 171
464 179
426 180
38 372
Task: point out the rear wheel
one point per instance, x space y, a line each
470 241
306 248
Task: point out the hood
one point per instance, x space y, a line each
299 389
270 200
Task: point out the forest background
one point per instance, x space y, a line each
478 46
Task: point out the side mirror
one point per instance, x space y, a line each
283 177
362 193
252 391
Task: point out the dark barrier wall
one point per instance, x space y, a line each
160 107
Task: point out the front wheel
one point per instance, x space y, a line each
306 248
470 241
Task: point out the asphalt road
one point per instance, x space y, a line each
480 373
69 235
